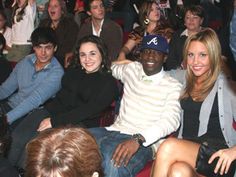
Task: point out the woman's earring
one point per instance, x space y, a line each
82 67
146 21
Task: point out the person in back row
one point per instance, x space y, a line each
151 21
23 18
149 111
193 19
86 91
64 26
98 25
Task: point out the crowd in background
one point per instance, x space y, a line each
57 37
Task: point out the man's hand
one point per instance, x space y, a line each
226 157
124 151
45 124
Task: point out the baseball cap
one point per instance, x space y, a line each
155 42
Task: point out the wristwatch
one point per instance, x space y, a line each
139 139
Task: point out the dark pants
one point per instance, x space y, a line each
23 131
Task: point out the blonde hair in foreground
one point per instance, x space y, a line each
63 152
210 40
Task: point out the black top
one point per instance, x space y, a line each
5 69
213 136
175 55
82 98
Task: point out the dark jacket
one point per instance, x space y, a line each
66 33
111 34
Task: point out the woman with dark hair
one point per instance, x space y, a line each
23 17
63 152
193 20
65 27
151 22
86 91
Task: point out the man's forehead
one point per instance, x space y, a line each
46 45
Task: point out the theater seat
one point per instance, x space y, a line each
146 171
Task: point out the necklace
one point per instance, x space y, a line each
54 25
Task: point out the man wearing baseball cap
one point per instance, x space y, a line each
149 111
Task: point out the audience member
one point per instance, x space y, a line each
80 13
6 169
86 91
193 19
149 111
65 27
151 22
208 101
23 17
8 10
102 27
122 10
41 9
64 152
34 80
6 31
5 66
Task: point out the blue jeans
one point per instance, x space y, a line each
108 141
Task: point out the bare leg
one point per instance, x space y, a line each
175 150
181 169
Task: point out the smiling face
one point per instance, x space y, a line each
152 61
192 22
198 59
154 14
97 10
54 10
90 57
44 53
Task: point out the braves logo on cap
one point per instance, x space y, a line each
153 40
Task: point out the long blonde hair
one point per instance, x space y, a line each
210 40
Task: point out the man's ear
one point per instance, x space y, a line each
165 58
95 174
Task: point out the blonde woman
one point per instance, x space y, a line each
208 144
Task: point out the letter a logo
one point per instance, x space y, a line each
154 41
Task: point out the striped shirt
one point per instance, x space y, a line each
150 104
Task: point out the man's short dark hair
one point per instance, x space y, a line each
87 4
43 35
